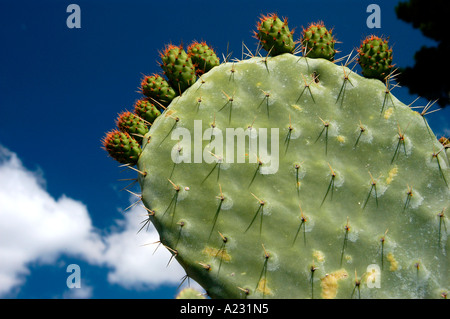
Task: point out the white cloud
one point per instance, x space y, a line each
35 227
84 292
132 257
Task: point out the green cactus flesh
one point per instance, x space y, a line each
361 181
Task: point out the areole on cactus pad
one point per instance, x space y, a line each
287 176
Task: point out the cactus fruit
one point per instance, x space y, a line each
375 57
274 35
178 67
146 110
122 147
156 88
203 57
132 124
298 178
318 42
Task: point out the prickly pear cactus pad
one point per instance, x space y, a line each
293 177
354 186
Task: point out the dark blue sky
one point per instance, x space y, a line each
61 90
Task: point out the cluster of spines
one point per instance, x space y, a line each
123 143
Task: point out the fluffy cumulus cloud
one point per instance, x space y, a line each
136 260
35 227
84 292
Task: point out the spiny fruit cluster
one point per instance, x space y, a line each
348 197
318 42
181 69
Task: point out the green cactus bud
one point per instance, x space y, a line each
274 35
203 57
375 57
178 68
146 110
156 88
132 124
122 147
318 42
